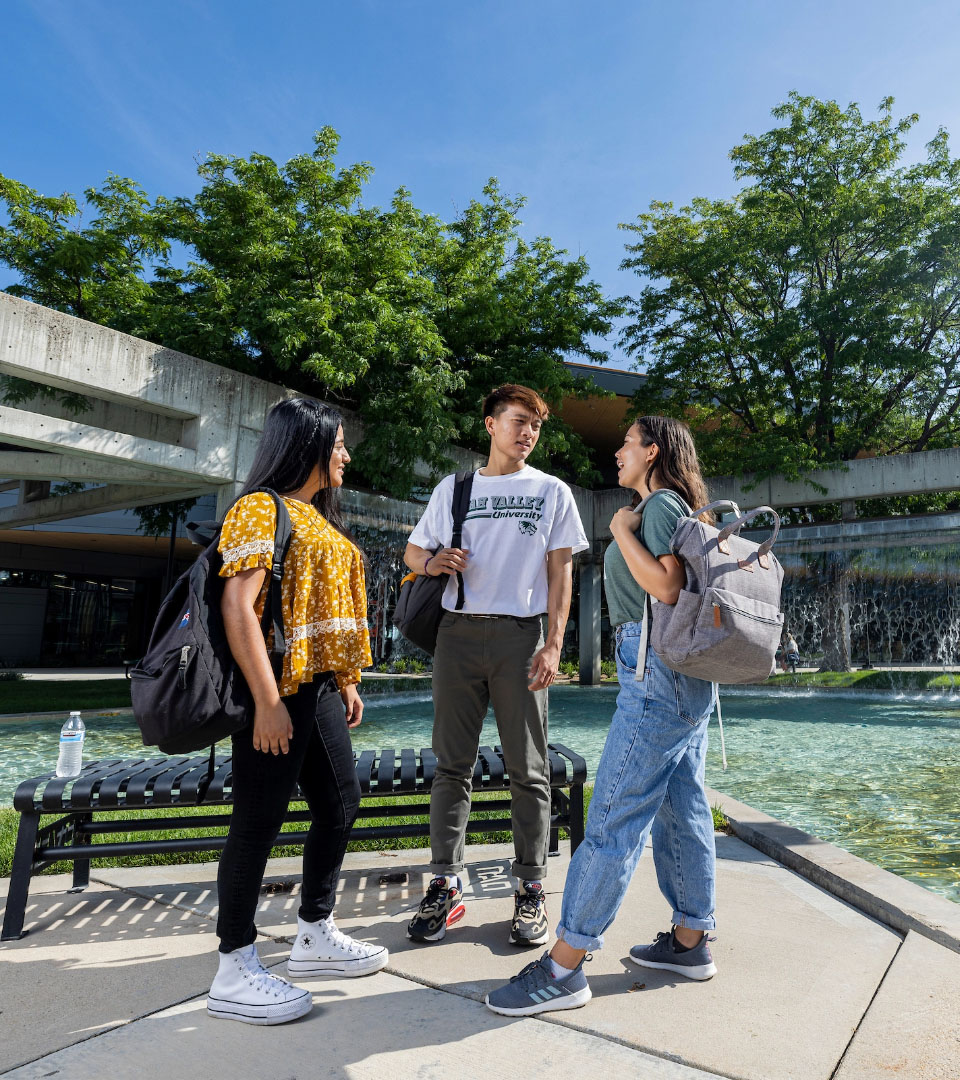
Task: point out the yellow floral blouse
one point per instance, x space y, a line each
323 587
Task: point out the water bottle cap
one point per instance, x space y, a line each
76 712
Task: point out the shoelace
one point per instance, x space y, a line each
529 904
435 897
264 982
523 977
341 940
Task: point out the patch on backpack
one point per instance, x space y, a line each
184 621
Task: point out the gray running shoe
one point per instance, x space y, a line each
529 926
695 963
442 906
535 990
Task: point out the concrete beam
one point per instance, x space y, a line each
865 478
45 433
24 465
114 416
96 501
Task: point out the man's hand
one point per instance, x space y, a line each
543 669
447 561
352 705
272 729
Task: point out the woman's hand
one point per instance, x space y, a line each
625 520
272 729
352 705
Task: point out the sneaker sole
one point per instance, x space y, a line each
263 1016
522 941
570 1001
305 969
700 972
456 914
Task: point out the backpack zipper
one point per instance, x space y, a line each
182 673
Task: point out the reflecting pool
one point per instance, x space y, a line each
877 775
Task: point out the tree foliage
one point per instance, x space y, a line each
815 316
281 271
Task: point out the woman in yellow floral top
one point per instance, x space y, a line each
298 731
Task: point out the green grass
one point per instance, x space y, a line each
40 695
870 680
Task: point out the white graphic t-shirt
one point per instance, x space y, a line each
513 521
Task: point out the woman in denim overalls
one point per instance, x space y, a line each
650 777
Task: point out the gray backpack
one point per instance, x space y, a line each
726 624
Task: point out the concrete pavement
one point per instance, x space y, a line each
112 982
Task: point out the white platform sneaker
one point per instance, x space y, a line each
244 990
322 949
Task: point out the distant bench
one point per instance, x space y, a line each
112 786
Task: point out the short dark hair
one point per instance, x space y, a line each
512 394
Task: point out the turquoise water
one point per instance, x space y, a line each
876 775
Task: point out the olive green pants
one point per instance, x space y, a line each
479 662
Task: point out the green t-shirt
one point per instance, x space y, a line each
625 597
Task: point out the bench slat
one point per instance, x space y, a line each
493 765
408 770
428 760
222 779
387 771
365 769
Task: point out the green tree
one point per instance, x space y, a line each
815 316
392 312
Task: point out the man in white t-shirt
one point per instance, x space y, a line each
519 537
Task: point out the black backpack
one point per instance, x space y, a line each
187 690
418 611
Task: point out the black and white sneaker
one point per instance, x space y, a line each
441 907
529 926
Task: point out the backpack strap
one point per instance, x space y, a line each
462 486
272 618
208 532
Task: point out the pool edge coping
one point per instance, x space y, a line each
893 900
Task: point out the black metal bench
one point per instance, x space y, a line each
159 783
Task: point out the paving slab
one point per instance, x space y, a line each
912 1030
359 1029
92 961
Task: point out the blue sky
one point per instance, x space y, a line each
589 110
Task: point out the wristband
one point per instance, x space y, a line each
425 565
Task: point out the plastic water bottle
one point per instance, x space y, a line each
71 746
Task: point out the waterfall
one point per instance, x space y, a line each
892 599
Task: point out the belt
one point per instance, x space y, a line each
470 615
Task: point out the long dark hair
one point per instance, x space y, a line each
676 466
298 434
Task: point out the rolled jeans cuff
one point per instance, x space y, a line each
679 919
578 941
528 872
446 869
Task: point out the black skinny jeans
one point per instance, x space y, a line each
321 758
